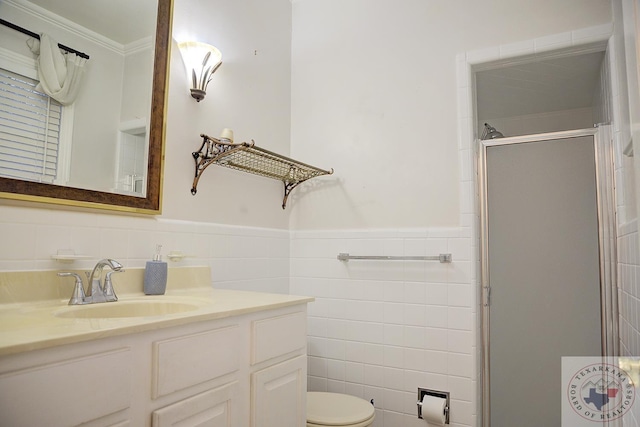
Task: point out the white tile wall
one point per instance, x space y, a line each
629 300
240 257
381 329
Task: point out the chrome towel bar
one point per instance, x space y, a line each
442 257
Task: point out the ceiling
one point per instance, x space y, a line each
123 21
539 86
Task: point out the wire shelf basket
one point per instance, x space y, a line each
247 157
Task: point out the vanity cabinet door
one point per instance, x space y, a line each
61 392
212 408
279 394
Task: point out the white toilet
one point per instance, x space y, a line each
338 410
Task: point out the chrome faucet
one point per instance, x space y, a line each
96 292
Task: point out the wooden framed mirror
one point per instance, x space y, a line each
148 201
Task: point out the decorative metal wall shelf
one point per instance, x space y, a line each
247 157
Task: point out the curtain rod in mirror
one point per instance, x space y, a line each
37 36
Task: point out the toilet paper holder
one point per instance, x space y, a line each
437 393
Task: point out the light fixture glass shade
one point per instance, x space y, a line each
201 61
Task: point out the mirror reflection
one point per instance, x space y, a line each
99 140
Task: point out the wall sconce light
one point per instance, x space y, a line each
201 61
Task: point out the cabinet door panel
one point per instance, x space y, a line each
279 395
277 336
67 392
188 360
213 408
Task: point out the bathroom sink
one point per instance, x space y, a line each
125 309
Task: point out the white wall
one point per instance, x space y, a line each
137 83
374 96
250 93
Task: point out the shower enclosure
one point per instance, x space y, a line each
548 268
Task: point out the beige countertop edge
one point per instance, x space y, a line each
59 331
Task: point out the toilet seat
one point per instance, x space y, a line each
339 410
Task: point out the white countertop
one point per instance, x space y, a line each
32 325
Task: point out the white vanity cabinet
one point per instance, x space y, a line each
242 370
279 371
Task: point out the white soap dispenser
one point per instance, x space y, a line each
155 275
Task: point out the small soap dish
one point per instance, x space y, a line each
68 256
176 256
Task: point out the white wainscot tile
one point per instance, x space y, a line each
460 249
436 294
317 366
461 412
436 362
460 341
335 349
393 291
113 243
48 239
336 329
355 351
317 326
393 356
374 354
394 313
460 318
354 372
374 375
393 401
436 316
367 311
316 384
394 335
335 369
334 386
461 365
368 332
415 315
414 337
461 388
317 346
414 271
437 381
460 295
414 380
415 247
393 378
414 359
436 272
461 272
354 389
436 339
377 394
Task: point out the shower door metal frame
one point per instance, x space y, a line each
607 227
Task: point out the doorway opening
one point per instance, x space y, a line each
541 104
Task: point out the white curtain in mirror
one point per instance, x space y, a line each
60 74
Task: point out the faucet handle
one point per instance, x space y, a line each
78 296
109 292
